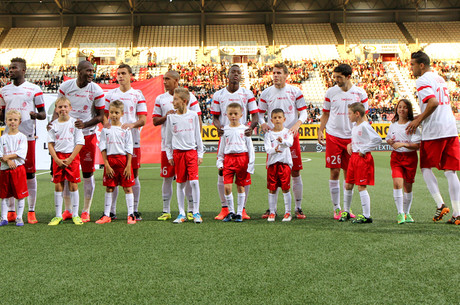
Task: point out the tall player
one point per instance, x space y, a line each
290 99
233 93
440 147
163 108
24 97
338 128
134 117
87 101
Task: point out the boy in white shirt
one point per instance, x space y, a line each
13 178
64 143
361 166
116 145
278 142
184 150
236 159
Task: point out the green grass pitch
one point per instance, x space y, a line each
312 261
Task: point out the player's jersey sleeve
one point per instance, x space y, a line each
168 141
108 97
61 90
417 136
327 101
268 144
390 129
128 142
424 90
99 101
103 140
300 101
52 134
288 139
215 105
252 155
364 99
252 104
141 107
220 152
194 104
39 102
199 141
157 111
2 101
22 149
372 137
263 107
79 139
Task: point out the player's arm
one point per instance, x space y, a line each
220 155
162 119
199 141
431 106
216 123
75 152
127 171
40 115
99 118
54 155
108 169
413 146
268 145
252 155
323 121
303 116
139 123
2 114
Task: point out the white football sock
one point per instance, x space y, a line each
272 198
229 203
167 190
366 203
130 203
108 203
5 209
189 196
221 189
407 202
66 196
32 187
287 202
297 189
136 193
398 196
334 189
88 185
58 203
75 199
347 198
246 192
241 201
195 185
454 191
113 208
180 197
432 185
21 204
10 204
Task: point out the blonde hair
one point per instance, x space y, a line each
182 93
62 99
11 112
117 104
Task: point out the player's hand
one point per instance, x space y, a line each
11 164
127 126
265 127
79 124
67 161
171 161
48 126
397 145
349 150
107 125
170 112
200 160
391 142
109 171
248 132
295 129
412 127
361 154
220 131
127 172
33 115
60 163
277 148
321 138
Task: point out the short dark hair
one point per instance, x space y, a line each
282 66
421 58
343 69
127 67
357 107
277 110
21 60
410 112
235 105
82 63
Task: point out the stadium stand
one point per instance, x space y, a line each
320 34
356 32
169 36
289 34
435 32
119 35
236 32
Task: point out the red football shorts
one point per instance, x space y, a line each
136 158
70 173
278 175
444 154
14 183
296 154
30 157
118 164
360 170
404 165
336 152
88 154
236 165
167 170
186 165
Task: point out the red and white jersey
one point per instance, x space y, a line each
183 133
233 141
13 144
65 136
441 123
163 104
135 105
223 98
23 98
364 138
397 132
271 142
83 100
289 98
116 141
336 103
